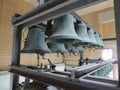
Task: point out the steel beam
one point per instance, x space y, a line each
41 11
101 79
16 55
52 10
63 81
117 23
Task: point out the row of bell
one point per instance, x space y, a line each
64 38
35 43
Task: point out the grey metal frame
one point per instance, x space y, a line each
117 23
50 10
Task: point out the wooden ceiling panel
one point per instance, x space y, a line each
96 7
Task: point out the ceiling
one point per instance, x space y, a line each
96 7
93 8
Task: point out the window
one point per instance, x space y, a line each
107 54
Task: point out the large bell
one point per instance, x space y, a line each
92 37
81 30
97 36
35 42
64 29
57 47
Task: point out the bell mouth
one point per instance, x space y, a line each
57 47
35 51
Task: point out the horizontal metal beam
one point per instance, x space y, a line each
99 85
88 69
101 79
63 81
49 78
41 11
52 10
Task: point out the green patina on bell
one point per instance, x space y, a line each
81 30
57 47
80 48
77 49
92 38
64 29
35 42
97 37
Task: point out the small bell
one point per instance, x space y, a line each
81 30
57 47
92 38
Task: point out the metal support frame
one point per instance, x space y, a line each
48 11
16 55
117 23
81 59
52 10
65 82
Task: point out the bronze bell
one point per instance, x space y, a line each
57 47
81 30
77 49
63 29
92 38
35 42
97 36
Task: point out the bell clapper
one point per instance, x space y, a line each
64 60
57 54
38 60
52 66
63 55
69 53
74 54
89 49
94 49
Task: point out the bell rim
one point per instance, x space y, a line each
35 51
62 38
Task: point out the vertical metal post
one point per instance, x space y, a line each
117 23
81 59
16 56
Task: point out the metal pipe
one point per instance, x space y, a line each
50 78
63 81
117 23
84 70
16 55
52 10
41 10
